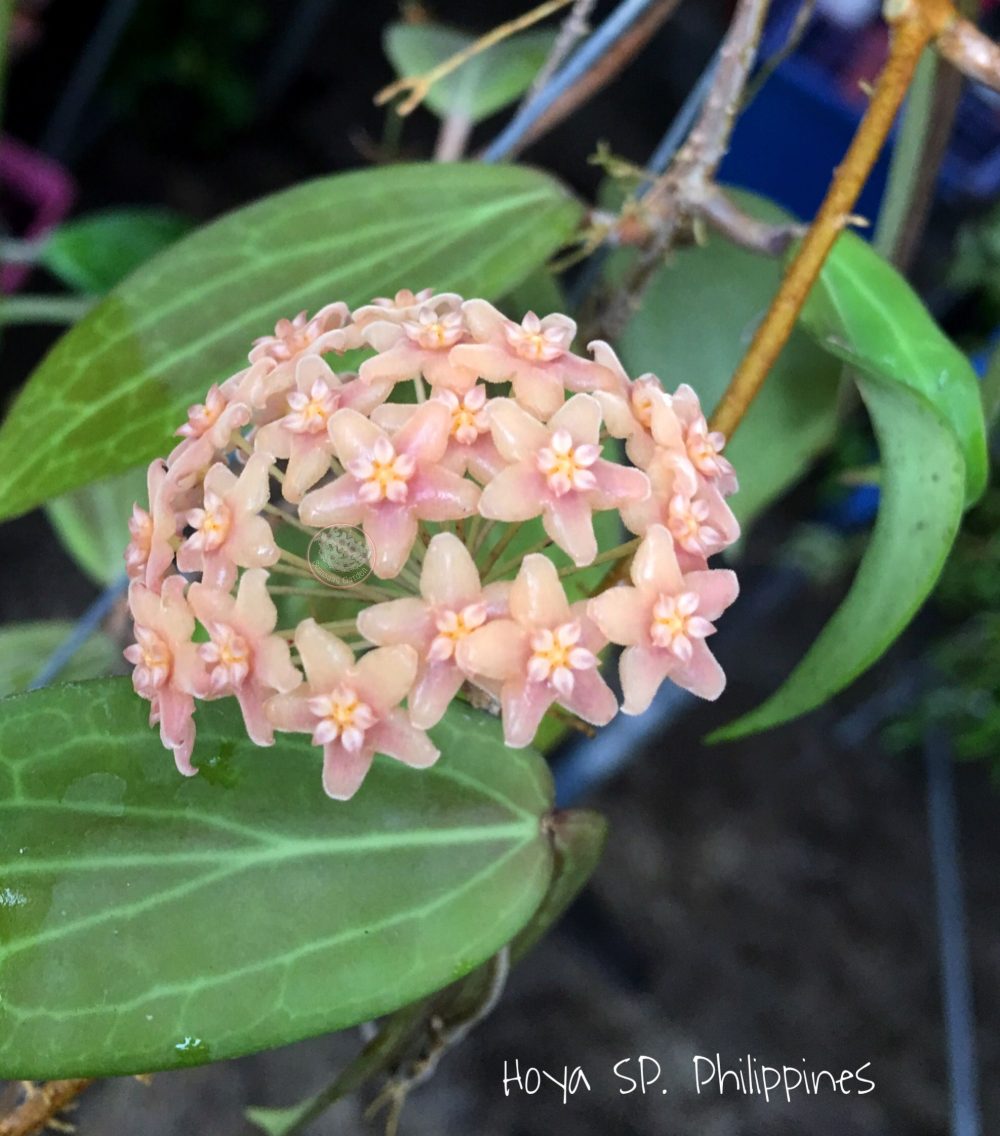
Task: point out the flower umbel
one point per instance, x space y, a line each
455 492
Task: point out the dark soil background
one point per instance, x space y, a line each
771 898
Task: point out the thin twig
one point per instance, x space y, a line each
683 192
912 31
973 53
574 27
586 72
803 18
41 1106
420 85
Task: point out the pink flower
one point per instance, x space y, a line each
703 446
470 447
694 512
390 485
546 652
557 472
150 552
329 329
352 709
229 531
302 435
405 305
419 346
663 621
207 435
243 657
452 604
533 355
168 670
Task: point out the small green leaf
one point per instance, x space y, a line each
923 489
150 922
485 84
865 313
694 326
92 523
96 252
25 647
114 388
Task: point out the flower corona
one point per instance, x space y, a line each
481 456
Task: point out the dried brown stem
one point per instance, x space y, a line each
41 1106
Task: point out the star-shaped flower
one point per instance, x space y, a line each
533 355
243 657
351 708
229 531
391 484
168 672
663 621
451 605
545 652
330 329
420 345
302 436
557 471
150 552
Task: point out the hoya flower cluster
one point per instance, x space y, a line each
457 427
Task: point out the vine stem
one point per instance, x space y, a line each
914 26
42 1104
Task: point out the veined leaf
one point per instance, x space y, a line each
96 252
694 326
114 388
864 312
149 922
923 490
485 84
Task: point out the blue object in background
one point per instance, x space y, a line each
797 129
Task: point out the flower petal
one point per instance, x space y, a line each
642 671
397 737
385 675
325 658
622 615
496 650
655 563
537 598
344 770
581 416
449 576
569 520
517 493
717 588
405 620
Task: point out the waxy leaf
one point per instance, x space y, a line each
485 84
96 252
694 326
864 312
923 491
149 922
114 388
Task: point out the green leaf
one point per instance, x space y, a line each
24 648
96 252
865 313
694 326
150 922
92 523
113 390
485 84
923 490
578 837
